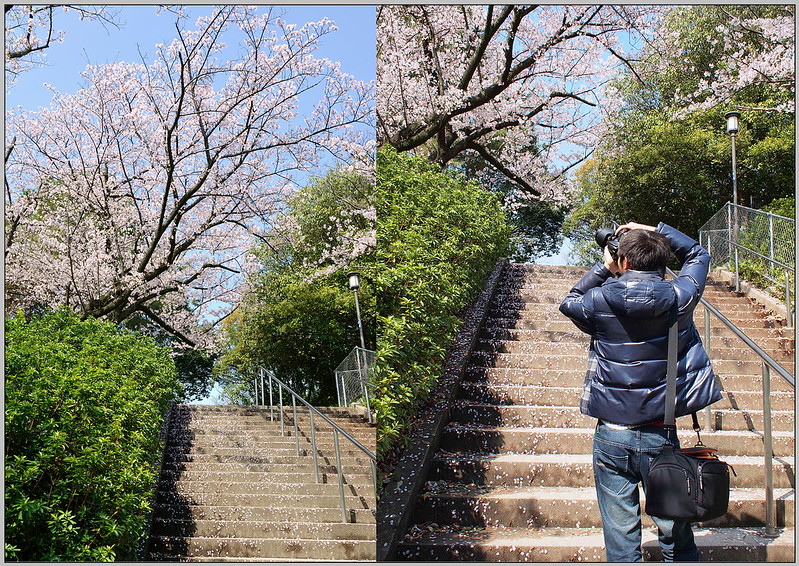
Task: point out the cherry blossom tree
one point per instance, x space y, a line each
757 50
30 30
520 87
139 195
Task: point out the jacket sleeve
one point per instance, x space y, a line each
695 261
579 307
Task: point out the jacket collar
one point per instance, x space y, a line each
633 275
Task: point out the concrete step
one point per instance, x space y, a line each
576 377
776 344
185 511
549 325
532 507
472 438
565 361
164 548
583 544
199 454
233 488
214 445
530 304
532 346
259 425
574 470
559 416
260 489
244 474
265 529
284 500
210 463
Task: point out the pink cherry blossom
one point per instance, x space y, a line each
141 193
522 87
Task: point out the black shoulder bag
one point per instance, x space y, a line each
690 484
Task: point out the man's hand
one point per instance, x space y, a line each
610 263
635 226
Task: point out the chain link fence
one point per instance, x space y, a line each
759 246
353 378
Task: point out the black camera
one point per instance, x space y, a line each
608 237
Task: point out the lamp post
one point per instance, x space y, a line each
732 129
355 284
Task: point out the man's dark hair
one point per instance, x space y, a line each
645 250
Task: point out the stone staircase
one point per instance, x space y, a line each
233 488
512 480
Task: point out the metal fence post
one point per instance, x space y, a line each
771 236
729 231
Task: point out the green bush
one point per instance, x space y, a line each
84 403
438 239
755 236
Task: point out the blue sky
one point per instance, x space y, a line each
88 42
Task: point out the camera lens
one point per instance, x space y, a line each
603 235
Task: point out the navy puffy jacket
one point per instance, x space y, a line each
627 319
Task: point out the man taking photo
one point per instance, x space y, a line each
625 386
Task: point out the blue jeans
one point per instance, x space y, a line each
621 461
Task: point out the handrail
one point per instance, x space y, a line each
768 364
336 431
748 341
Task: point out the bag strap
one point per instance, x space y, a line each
671 375
671 367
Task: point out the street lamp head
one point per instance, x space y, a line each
354 280
732 121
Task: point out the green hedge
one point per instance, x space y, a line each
438 239
84 403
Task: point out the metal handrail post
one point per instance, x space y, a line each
313 447
768 451
271 403
788 311
263 396
336 431
296 425
708 413
282 427
340 477
737 275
